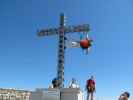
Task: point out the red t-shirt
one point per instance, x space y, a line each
90 82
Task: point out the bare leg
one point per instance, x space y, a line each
88 94
91 95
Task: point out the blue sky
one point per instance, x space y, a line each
28 61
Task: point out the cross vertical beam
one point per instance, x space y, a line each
61 51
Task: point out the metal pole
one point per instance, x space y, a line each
61 51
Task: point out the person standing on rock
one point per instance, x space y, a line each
90 87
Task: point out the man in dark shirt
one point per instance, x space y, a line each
55 83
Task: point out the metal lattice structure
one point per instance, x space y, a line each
61 31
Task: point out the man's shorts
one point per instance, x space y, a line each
90 89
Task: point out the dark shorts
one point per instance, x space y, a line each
90 89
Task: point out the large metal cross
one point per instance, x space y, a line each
61 31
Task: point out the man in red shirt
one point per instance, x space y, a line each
90 87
